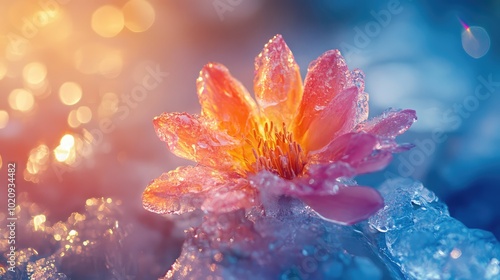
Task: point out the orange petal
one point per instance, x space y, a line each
327 76
225 100
181 190
277 82
189 137
337 118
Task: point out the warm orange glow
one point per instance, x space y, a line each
4 118
111 65
70 93
3 70
21 100
107 21
109 104
96 58
139 15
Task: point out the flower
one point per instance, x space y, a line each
302 141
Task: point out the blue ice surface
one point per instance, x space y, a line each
412 237
425 242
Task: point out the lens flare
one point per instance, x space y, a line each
475 40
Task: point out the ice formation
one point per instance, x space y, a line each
412 237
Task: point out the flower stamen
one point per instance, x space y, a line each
275 150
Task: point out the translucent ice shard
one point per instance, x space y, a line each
412 237
425 242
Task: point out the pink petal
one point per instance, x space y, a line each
357 150
349 148
323 182
326 77
277 82
190 137
229 197
373 163
225 100
390 124
181 190
337 118
348 206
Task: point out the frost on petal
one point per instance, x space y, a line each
337 118
181 190
356 149
323 178
390 124
234 195
189 137
349 148
225 100
326 77
277 82
348 206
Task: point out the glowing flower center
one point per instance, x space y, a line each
276 151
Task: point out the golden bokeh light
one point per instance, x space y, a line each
63 152
73 119
4 118
37 162
67 141
70 93
139 15
38 158
21 100
83 114
1 162
34 73
107 21
71 148
38 222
